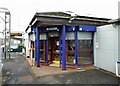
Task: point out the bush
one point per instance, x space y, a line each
20 47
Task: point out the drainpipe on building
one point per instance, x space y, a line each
117 68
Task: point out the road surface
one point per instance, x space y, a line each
17 71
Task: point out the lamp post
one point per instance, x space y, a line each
7 12
1 32
5 36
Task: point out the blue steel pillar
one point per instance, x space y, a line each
76 47
63 59
46 48
37 47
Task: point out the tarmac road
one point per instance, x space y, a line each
17 71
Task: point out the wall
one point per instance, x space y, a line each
119 48
106 47
119 42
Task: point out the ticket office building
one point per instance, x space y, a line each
55 38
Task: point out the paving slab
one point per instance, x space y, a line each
51 70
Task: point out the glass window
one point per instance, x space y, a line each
70 52
70 47
84 51
42 49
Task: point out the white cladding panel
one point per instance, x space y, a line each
118 42
84 35
118 48
105 45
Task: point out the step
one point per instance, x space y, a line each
54 65
56 62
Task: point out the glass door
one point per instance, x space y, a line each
54 52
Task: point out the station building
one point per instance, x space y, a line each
61 39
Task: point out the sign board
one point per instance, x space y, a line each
52 29
15 34
53 34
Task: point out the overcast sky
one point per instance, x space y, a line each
22 11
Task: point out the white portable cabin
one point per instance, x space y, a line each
107 47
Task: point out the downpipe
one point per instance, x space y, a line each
117 69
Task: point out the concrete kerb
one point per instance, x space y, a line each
64 72
104 71
53 74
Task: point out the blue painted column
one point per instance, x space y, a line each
63 35
76 47
37 47
46 48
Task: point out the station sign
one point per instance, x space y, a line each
15 34
52 29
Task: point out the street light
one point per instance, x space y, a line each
7 12
5 35
1 32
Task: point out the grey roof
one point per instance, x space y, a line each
114 21
54 14
47 19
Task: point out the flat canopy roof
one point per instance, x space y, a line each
50 19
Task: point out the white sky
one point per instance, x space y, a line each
22 11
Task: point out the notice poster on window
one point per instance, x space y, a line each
97 45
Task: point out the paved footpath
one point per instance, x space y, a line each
17 71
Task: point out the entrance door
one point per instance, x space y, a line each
54 54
